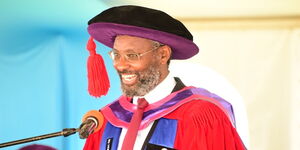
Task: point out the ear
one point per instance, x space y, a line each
165 52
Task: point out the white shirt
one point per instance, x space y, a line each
159 92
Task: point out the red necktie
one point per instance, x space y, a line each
134 125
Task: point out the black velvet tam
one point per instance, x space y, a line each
145 23
143 17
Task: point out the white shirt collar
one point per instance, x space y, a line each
160 91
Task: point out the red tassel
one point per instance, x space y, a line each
98 82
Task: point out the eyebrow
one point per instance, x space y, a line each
128 50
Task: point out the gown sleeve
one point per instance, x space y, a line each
204 126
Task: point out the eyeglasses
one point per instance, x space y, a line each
130 57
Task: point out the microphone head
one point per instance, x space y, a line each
92 122
96 115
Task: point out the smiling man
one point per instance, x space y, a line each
140 71
156 110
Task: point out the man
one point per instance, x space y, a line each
156 110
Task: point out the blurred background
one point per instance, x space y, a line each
253 45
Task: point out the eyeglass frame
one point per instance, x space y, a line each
139 55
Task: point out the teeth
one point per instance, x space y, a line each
128 77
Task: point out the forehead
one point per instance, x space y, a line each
126 42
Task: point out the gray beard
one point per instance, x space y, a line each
147 80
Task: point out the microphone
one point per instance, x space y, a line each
65 132
92 121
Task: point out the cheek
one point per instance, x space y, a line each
143 65
140 66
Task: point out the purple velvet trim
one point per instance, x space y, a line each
126 115
179 96
105 33
121 113
222 101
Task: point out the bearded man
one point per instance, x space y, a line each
156 110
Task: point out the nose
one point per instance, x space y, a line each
121 64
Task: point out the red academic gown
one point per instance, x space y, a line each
201 124
204 126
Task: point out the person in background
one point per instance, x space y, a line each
156 110
37 147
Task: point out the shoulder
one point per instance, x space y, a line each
200 111
204 124
196 107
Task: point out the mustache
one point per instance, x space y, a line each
127 71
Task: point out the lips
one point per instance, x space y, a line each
129 79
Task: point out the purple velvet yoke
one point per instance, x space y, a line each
126 115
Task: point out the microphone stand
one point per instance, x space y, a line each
65 132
